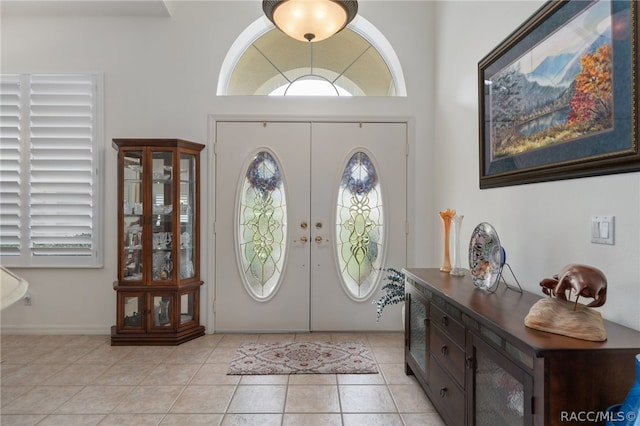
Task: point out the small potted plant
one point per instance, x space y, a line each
393 291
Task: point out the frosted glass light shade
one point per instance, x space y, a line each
310 20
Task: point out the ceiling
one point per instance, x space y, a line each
85 8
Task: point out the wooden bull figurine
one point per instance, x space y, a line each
582 280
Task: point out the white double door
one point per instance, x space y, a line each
311 158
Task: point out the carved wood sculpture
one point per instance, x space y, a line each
554 314
581 280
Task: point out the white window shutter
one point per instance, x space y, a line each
10 161
62 112
50 212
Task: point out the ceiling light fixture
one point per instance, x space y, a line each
310 20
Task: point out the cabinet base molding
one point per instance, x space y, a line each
173 339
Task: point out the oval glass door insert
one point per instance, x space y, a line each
359 227
262 226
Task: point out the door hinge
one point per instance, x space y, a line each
406 228
406 149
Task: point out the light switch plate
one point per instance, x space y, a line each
602 229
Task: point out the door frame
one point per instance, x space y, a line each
209 232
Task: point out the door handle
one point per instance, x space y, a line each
302 239
319 240
444 321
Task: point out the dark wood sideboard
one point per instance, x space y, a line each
479 364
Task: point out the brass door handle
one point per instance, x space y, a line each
302 239
319 240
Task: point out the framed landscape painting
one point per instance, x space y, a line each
558 99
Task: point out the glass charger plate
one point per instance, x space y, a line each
486 256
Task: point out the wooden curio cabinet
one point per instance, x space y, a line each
158 286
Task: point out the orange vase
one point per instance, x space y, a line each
446 217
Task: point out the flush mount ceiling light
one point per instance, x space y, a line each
310 20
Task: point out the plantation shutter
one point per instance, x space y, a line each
61 165
56 172
10 141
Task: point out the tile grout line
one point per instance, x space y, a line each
380 344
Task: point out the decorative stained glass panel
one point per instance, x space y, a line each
262 226
359 226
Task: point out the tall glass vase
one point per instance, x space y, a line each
457 224
446 217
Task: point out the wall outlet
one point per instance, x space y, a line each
602 229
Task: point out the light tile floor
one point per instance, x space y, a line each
83 380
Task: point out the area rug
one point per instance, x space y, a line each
302 358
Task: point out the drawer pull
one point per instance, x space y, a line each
444 350
469 362
443 392
445 321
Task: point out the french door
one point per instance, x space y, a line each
306 216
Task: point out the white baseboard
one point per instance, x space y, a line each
55 329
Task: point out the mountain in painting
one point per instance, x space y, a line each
552 70
561 70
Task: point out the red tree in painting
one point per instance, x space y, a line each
592 101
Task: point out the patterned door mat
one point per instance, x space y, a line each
302 358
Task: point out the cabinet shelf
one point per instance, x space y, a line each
158 285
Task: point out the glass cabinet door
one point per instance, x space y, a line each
187 208
187 307
132 215
501 390
133 308
162 310
418 331
162 216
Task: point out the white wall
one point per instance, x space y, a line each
160 81
542 226
160 78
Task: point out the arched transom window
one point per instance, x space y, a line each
358 61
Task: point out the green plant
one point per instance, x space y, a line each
393 290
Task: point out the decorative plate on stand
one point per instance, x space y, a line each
486 256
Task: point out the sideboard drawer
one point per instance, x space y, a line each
448 354
452 327
447 396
